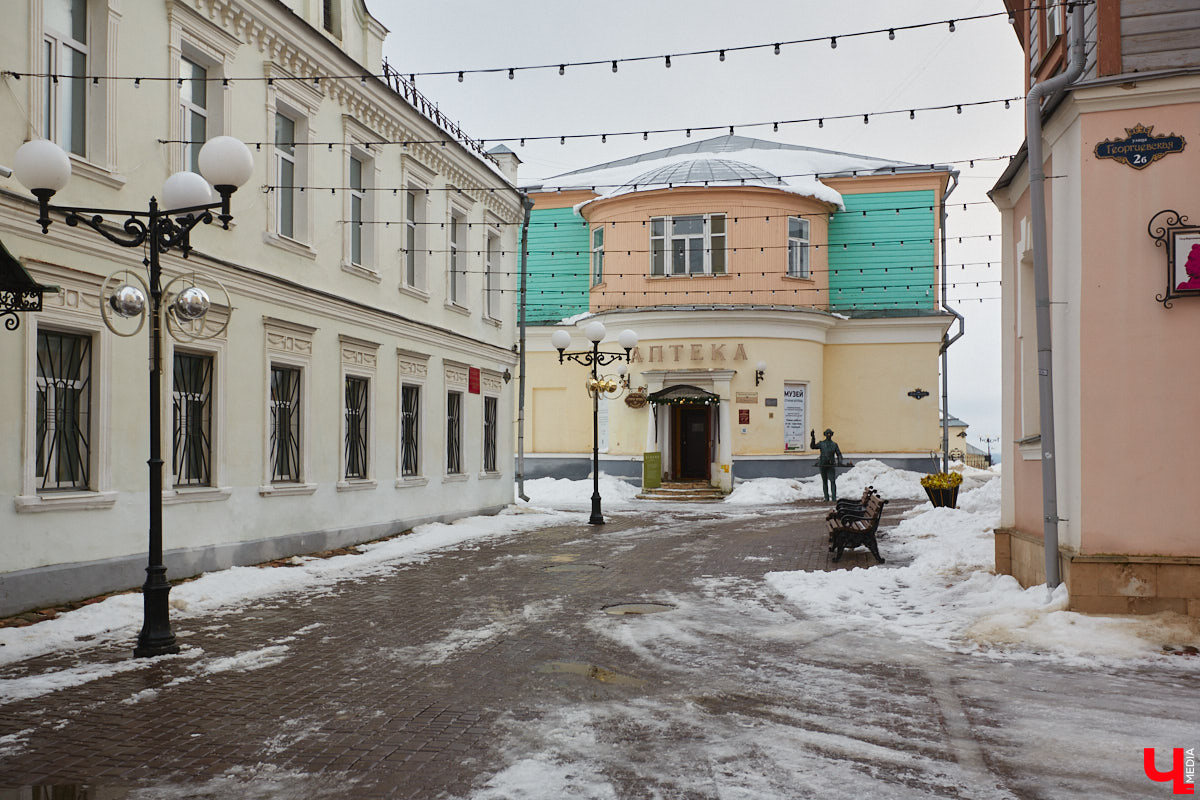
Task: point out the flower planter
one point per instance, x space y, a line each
943 498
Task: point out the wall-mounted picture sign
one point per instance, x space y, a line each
1140 148
1169 230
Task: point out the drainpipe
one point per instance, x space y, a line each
1041 281
528 206
947 340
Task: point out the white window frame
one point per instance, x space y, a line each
460 393
298 101
59 92
495 433
456 380
358 358
491 292
188 109
79 319
709 244
365 265
413 373
215 349
416 180
288 344
202 42
290 212
457 250
597 255
98 159
799 255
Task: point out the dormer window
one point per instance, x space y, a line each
331 18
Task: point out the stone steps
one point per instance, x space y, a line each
685 491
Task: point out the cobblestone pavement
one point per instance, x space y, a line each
492 670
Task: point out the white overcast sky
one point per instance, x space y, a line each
981 60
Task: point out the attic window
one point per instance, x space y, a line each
330 18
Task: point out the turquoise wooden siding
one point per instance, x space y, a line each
883 260
557 282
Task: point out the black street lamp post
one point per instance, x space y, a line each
989 441
593 358
44 168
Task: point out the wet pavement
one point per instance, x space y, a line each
640 659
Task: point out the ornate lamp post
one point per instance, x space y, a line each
989 441
627 339
187 200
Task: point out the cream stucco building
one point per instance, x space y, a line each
360 386
776 289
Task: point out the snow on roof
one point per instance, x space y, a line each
730 161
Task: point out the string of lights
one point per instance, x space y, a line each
951 26
612 224
610 252
645 133
732 274
758 291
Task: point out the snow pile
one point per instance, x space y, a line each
947 595
119 616
564 493
889 482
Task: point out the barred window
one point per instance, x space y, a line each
285 424
410 417
64 401
490 406
356 427
454 433
192 412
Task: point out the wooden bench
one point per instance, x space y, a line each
851 529
852 506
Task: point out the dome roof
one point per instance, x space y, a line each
699 171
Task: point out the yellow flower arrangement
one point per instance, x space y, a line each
941 480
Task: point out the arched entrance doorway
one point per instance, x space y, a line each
692 431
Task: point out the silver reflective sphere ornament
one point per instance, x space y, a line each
128 301
192 303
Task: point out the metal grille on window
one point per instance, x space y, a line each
192 437
410 417
454 433
489 434
64 400
285 424
356 427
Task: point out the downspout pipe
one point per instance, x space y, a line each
1041 282
947 340
527 204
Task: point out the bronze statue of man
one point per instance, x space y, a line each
829 458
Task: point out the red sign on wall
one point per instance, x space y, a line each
743 416
473 380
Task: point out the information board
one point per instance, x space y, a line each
795 424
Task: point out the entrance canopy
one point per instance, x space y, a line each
684 395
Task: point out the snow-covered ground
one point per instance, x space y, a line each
895 680
938 585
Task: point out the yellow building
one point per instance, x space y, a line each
775 290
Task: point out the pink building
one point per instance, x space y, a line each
1110 472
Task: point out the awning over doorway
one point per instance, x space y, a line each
684 395
19 293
